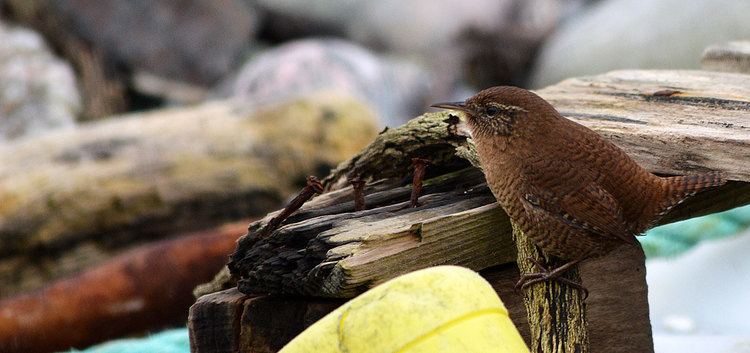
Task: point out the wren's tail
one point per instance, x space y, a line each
679 188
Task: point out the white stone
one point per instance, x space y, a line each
629 34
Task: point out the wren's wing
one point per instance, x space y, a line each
585 206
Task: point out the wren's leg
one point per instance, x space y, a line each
546 275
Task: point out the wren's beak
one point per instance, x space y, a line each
453 105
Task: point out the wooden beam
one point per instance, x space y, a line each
618 314
697 126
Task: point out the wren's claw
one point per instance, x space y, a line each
544 274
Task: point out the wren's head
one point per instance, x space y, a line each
500 110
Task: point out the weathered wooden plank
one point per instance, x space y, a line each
617 309
727 57
381 240
673 122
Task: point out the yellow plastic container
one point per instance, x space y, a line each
440 309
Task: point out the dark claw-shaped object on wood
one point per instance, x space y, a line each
544 274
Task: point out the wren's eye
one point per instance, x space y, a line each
492 110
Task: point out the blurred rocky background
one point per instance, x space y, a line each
128 126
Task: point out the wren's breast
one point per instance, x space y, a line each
502 175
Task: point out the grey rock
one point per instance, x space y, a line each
38 91
198 41
629 34
396 89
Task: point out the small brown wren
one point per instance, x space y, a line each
575 194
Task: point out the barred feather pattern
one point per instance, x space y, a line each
677 189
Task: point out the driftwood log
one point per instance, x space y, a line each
144 289
72 199
671 122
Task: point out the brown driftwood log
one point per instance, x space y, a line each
727 57
71 199
143 289
671 122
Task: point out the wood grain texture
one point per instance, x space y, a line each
609 306
727 57
270 322
617 309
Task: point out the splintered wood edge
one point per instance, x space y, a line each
476 238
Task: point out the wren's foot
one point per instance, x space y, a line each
545 275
